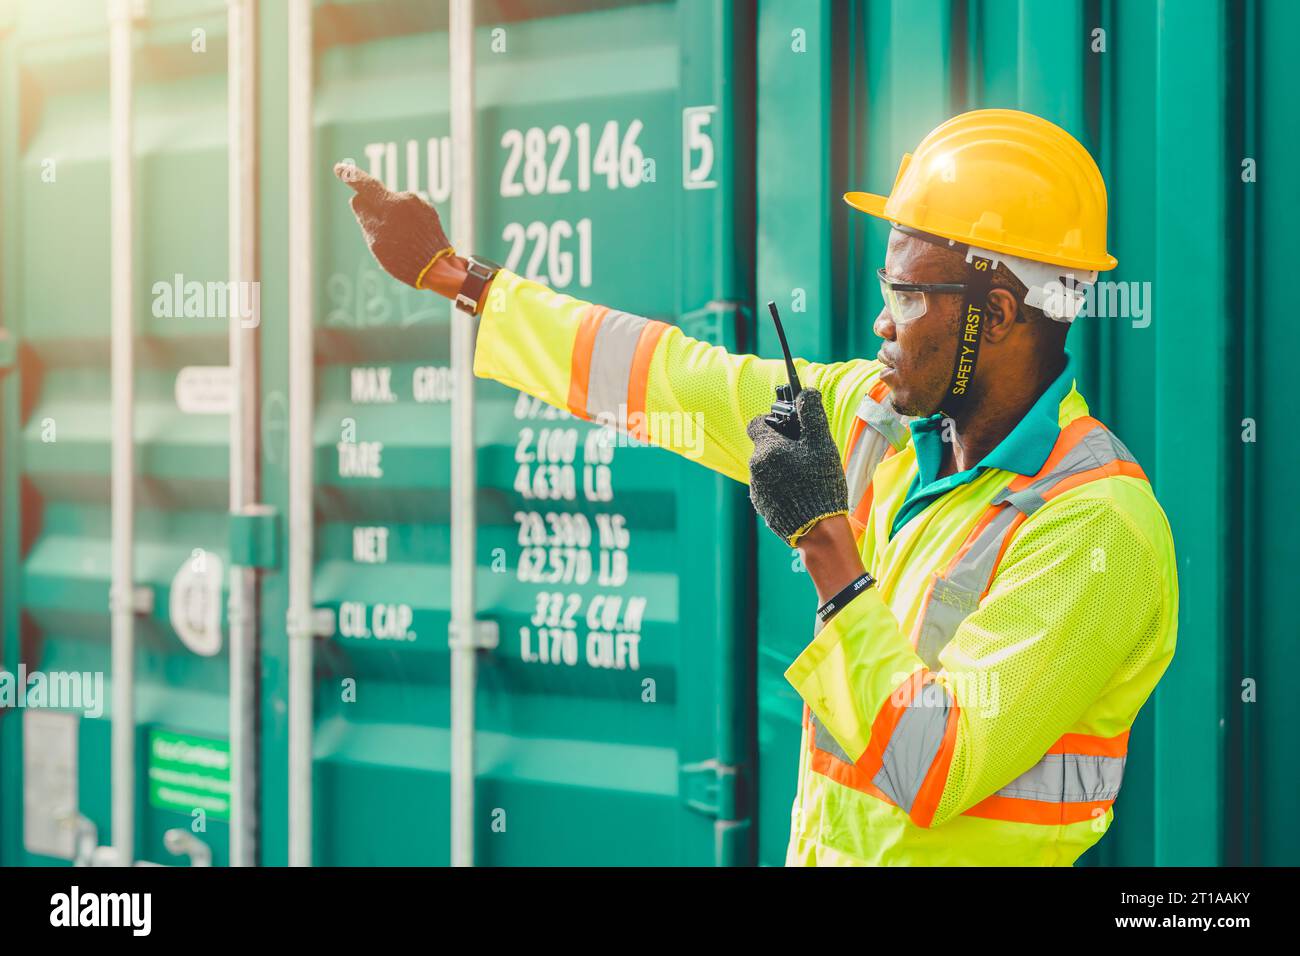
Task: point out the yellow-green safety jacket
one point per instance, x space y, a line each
974 706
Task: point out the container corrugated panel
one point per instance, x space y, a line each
1184 107
57 424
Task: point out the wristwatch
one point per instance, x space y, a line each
479 272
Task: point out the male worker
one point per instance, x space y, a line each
997 579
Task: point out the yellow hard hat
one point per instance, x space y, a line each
1006 181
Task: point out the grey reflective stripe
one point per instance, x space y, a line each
823 740
1094 450
867 454
953 598
885 427
1027 500
611 364
912 748
885 420
1069 778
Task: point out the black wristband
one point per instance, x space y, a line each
861 583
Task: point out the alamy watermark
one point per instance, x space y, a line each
56 690
1103 300
128 910
979 691
682 432
182 299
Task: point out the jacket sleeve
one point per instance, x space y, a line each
645 376
1055 631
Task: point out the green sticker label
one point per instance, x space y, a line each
188 773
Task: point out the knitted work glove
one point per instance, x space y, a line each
796 483
403 231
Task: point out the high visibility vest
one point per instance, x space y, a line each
1079 777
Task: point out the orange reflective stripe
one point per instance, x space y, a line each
915 636
858 425
639 377
860 775
862 512
828 765
861 515
580 363
1026 810
1117 467
936 778
1016 810
846 775
985 519
1069 437
1065 442
856 471
882 728
1002 549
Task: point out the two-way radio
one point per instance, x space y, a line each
783 417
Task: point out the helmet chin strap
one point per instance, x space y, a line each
970 331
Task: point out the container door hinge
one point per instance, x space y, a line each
484 636
710 788
255 537
139 600
320 623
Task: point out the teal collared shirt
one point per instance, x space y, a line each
1023 451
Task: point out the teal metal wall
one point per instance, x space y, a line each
813 97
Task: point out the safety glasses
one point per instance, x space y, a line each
906 300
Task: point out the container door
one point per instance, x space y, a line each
610 720
57 432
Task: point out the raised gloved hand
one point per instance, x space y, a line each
403 231
794 483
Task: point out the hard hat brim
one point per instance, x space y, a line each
869 203
874 205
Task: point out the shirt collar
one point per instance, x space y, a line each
1024 450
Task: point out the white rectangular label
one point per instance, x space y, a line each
50 782
205 390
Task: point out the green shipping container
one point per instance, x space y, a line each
682 161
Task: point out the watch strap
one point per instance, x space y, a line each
478 273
